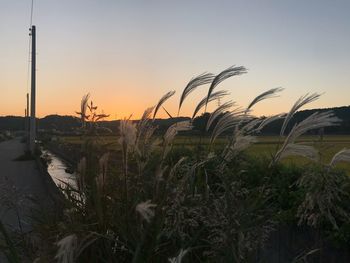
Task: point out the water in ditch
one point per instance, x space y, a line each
58 170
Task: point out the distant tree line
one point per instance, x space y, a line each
69 124
274 128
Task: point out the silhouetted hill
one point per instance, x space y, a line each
342 113
11 123
68 124
50 122
60 123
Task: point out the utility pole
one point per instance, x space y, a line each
27 119
32 131
26 123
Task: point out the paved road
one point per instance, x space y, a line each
19 182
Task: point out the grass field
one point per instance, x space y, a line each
265 146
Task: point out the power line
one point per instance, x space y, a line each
31 14
29 43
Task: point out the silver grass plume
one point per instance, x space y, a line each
216 113
202 79
228 121
263 96
148 136
145 129
127 140
225 74
179 257
66 249
144 123
213 96
161 102
145 118
241 143
175 128
102 176
241 134
341 156
249 126
300 150
148 133
269 120
172 132
146 210
83 108
127 131
302 101
314 121
145 145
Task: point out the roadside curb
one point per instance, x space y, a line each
53 191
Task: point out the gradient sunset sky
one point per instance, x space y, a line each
127 54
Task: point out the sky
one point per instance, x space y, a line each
127 54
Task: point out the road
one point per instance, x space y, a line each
20 182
